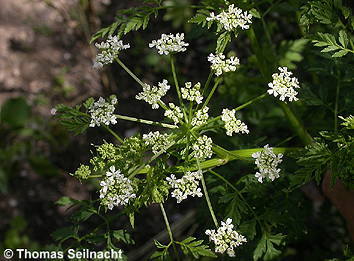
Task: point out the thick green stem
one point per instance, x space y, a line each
113 133
127 118
296 124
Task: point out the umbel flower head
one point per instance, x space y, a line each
169 43
192 93
102 111
153 95
219 64
267 162
158 141
186 186
225 238
232 124
203 147
284 85
116 189
174 113
201 117
109 50
232 18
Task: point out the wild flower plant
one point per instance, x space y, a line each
173 160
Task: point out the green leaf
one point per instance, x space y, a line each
343 38
82 214
254 12
222 42
64 201
64 233
124 236
191 246
266 246
340 53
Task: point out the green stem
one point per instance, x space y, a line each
239 194
142 166
127 118
207 82
169 231
225 156
337 102
260 97
130 73
208 201
113 133
175 79
211 92
296 124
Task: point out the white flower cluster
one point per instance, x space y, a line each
188 185
284 85
116 189
175 113
153 95
201 117
232 124
267 162
192 93
169 43
203 147
102 112
158 141
225 238
109 51
232 18
219 64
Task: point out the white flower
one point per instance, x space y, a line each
109 50
284 85
116 189
153 95
219 64
102 112
267 162
232 18
188 185
192 93
201 117
169 43
203 147
232 124
175 113
159 142
225 238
